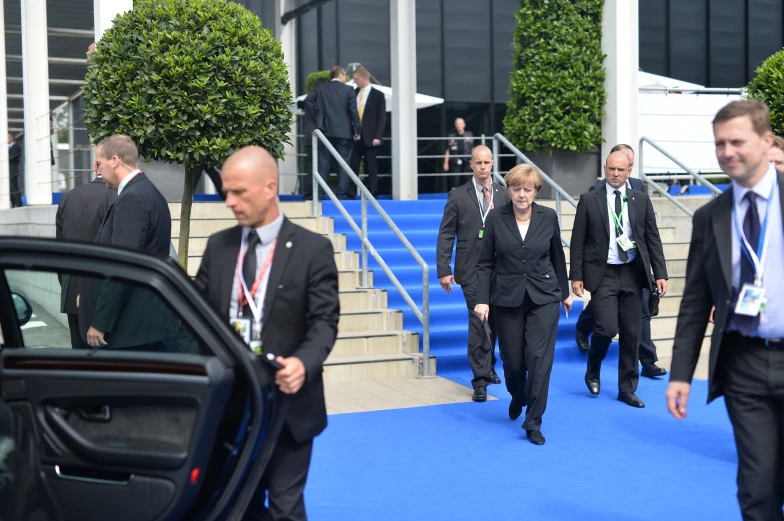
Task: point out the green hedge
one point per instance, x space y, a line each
312 77
768 86
557 82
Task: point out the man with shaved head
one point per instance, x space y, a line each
465 214
277 284
615 247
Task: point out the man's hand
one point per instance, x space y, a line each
95 338
482 311
578 288
356 138
446 283
77 301
567 304
661 284
291 378
376 142
678 398
446 165
710 318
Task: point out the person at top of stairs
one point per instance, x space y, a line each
586 322
465 214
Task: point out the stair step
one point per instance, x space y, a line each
370 320
218 210
375 367
207 227
372 343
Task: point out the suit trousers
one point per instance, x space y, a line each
361 150
753 381
327 163
587 321
526 335
618 308
76 333
481 355
284 480
16 194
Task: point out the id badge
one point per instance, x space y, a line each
624 242
751 300
242 327
459 161
481 233
454 148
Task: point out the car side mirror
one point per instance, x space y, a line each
24 311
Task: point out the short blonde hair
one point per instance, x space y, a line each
778 142
121 146
524 174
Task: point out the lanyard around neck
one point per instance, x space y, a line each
488 198
762 244
617 218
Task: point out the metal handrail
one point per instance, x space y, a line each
715 191
559 192
422 314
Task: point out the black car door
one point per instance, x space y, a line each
173 419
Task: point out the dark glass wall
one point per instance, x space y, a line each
716 43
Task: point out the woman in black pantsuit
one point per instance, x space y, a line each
523 268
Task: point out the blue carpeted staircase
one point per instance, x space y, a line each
419 221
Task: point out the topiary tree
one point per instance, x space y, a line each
768 86
557 81
310 83
190 81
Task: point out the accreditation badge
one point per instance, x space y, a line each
751 300
625 243
242 327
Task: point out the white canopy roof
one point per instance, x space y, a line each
422 100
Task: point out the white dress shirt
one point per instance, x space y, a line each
127 180
480 197
771 323
267 235
612 252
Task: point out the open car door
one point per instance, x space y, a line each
174 419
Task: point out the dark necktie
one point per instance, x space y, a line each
249 268
622 255
751 229
484 199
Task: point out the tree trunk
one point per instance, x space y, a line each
185 216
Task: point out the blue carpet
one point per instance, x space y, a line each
603 460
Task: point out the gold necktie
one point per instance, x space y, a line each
361 105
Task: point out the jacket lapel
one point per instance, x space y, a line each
537 216
600 196
634 220
722 231
471 189
228 268
279 262
106 218
507 216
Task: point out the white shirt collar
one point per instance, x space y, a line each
127 180
762 188
611 190
478 187
268 232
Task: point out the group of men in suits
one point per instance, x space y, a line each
353 121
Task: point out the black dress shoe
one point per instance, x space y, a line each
652 371
494 378
582 342
631 399
480 394
515 410
535 437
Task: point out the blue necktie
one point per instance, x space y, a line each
751 229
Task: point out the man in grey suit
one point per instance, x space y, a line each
79 216
334 106
465 214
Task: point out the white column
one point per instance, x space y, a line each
404 117
621 44
287 36
35 80
104 12
5 185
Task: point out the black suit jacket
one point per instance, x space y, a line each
591 238
139 220
462 218
510 266
634 183
708 284
301 309
374 117
14 156
334 107
80 213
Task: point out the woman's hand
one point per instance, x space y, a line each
482 311
567 304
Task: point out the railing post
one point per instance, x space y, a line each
495 158
314 169
425 322
483 139
364 238
558 207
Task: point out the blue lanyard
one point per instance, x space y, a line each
744 246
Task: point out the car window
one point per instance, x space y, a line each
69 309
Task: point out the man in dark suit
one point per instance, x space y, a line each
465 214
615 246
587 321
288 297
14 156
80 213
308 126
372 109
334 106
737 244
120 316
